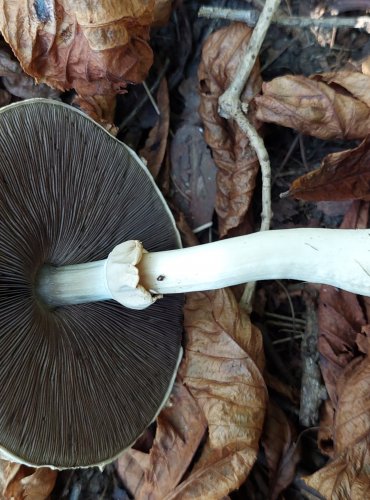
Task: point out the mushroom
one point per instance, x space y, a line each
78 383
82 223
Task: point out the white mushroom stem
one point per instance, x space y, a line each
337 257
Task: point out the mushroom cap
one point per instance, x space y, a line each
80 383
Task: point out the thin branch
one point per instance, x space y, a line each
231 108
250 17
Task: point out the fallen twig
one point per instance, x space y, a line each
250 17
312 390
231 108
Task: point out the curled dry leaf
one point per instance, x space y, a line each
341 176
94 47
340 317
348 475
236 161
334 110
156 143
222 369
282 453
222 372
18 482
180 428
100 108
325 438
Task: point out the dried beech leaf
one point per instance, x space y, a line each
348 475
155 146
341 176
100 108
95 47
352 418
18 482
314 108
236 161
180 428
325 438
222 369
282 454
355 83
340 317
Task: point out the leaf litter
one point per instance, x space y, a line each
220 419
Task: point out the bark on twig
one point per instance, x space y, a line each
231 108
250 17
312 390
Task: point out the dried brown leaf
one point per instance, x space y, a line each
325 437
355 83
314 107
95 47
162 12
180 428
155 146
341 176
18 482
193 170
222 369
236 161
348 475
340 317
100 108
282 453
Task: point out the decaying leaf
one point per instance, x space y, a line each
222 369
236 161
341 176
18 83
282 453
100 108
340 317
348 475
193 170
337 109
18 482
223 389
94 47
155 146
180 428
